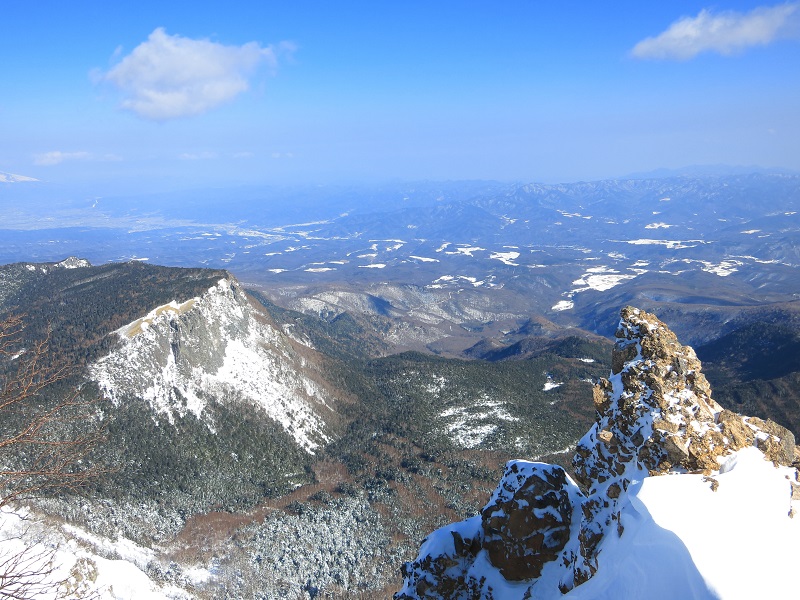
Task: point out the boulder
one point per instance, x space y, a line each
528 521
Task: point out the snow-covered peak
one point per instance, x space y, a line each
725 504
184 356
73 262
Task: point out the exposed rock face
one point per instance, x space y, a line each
655 416
442 569
528 525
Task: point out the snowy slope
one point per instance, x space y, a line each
216 347
74 563
682 539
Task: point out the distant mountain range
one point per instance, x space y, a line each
385 349
554 250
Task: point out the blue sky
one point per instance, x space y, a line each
158 95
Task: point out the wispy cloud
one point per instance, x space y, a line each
55 157
170 76
197 155
726 32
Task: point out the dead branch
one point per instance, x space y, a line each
26 572
44 441
47 432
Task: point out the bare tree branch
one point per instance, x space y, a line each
47 432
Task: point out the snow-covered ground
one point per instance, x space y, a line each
76 563
684 539
728 536
468 426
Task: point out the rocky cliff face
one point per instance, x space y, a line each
218 347
541 535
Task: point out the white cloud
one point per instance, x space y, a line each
197 155
725 33
169 76
55 157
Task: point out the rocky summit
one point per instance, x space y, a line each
542 535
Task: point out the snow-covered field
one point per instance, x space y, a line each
63 561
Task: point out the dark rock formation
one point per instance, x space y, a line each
529 523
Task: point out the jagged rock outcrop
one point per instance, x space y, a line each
529 525
528 521
655 416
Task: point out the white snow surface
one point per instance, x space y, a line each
73 262
423 258
507 258
600 278
563 305
669 244
551 384
469 425
683 540
241 357
466 250
84 565
658 225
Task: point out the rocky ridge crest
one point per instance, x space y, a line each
655 416
218 347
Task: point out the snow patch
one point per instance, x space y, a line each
658 226
551 384
469 425
423 259
507 258
600 278
669 244
563 305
